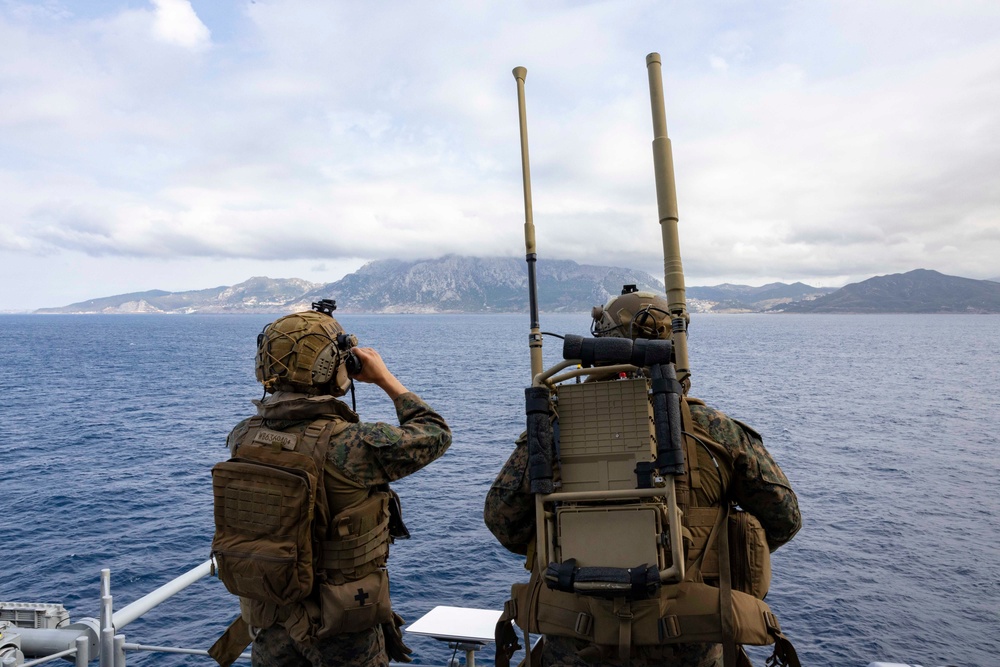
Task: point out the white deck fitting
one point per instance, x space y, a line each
461 624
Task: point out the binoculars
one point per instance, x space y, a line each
345 341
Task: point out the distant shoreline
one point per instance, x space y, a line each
478 313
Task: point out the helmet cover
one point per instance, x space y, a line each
632 314
299 352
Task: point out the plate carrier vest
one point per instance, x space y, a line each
623 556
279 548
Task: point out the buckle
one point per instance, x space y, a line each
510 608
584 624
772 621
670 627
624 614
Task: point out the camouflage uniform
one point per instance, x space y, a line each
751 479
273 647
369 454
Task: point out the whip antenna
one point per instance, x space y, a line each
666 203
535 337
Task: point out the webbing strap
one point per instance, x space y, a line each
255 424
623 610
784 653
311 439
338 556
505 636
694 569
581 622
348 543
230 645
726 596
687 425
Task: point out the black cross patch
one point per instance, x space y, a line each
361 597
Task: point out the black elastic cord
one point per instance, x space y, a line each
701 442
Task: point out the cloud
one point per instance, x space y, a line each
821 142
175 22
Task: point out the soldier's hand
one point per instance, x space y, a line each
374 371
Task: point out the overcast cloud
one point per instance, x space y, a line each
179 145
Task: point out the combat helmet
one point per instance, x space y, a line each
305 352
632 314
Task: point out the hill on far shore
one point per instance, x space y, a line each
451 284
456 284
918 291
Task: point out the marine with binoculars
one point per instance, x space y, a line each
304 513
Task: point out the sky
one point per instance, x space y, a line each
186 144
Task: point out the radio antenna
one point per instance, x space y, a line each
535 336
666 203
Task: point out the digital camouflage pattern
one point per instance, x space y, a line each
751 479
757 485
274 648
369 454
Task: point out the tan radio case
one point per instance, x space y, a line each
605 429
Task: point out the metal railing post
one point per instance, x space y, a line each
107 654
106 645
82 651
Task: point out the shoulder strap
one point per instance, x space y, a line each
726 594
252 426
690 447
316 438
314 442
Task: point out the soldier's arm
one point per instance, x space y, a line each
509 512
762 489
378 453
758 485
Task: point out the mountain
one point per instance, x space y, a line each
454 284
448 284
256 295
477 284
918 291
744 298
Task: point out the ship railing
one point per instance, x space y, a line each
464 629
101 638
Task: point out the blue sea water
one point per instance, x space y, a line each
886 425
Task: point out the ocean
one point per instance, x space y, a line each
886 425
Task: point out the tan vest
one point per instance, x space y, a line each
719 601
350 548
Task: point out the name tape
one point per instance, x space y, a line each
268 437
